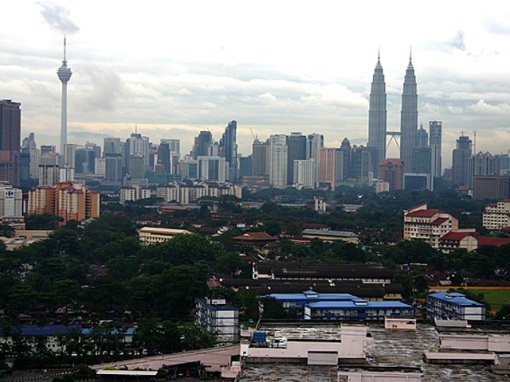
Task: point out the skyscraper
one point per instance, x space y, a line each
296 144
202 143
460 161
435 136
377 114
409 118
10 138
278 155
228 149
64 75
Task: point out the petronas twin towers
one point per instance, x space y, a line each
377 116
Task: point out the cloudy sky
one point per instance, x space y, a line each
173 68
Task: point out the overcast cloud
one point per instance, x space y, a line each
175 68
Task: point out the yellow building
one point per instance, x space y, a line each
153 235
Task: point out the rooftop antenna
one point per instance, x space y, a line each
474 141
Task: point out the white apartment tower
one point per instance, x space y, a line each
278 154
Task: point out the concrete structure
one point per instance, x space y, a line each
68 200
153 235
392 170
278 348
454 306
377 114
218 318
496 215
420 223
409 118
64 75
330 235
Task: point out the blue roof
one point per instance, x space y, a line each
313 296
114 331
46 330
352 305
455 298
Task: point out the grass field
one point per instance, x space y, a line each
496 298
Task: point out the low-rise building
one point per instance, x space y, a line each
420 223
218 317
153 235
341 306
330 235
257 239
454 306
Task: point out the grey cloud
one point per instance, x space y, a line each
499 26
103 88
457 41
58 18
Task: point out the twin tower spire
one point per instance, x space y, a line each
377 116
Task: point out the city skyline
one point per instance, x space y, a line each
190 71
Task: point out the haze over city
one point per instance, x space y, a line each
174 69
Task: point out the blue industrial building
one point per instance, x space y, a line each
454 306
312 305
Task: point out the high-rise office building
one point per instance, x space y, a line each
10 138
481 164
260 158
435 138
296 150
112 146
228 150
202 143
408 118
326 167
278 156
315 142
304 173
377 114
460 161
64 75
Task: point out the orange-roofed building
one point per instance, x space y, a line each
69 200
420 223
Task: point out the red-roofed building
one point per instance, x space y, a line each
492 241
254 238
497 215
420 223
462 239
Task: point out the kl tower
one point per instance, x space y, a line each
64 75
